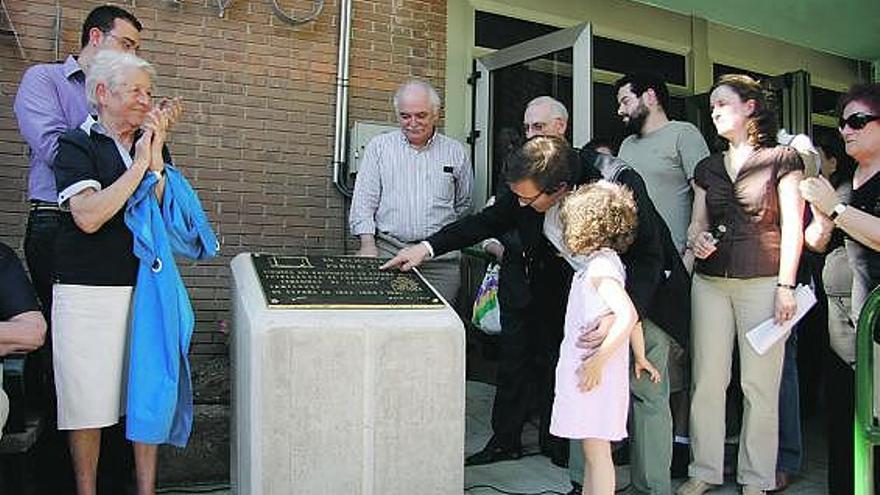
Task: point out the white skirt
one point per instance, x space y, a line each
90 353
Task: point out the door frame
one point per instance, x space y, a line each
795 105
579 39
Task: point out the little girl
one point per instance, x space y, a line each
592 388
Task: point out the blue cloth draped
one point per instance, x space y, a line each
159 408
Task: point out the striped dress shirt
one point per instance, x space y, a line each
410 193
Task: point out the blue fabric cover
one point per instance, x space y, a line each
159 406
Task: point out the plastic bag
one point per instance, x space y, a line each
487 313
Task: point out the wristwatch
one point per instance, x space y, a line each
838 209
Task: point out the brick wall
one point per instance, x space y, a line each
256 138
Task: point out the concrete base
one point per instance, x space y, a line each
367 402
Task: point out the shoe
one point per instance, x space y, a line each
492 453
694 486
752 490
559 459
620 453
556 449
576 489
783 480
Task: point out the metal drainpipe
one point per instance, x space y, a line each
340 136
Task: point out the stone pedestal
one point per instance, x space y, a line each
354 402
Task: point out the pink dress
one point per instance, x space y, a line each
601 412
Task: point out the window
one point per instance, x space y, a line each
607 124
498 31
824 101
719 70
622 57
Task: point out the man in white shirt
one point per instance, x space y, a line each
410 184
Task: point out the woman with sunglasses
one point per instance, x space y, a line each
858 218
746 233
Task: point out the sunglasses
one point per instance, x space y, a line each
856 121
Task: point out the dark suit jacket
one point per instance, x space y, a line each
513 286
664 293
647 261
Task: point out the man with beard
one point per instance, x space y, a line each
410 184
665 152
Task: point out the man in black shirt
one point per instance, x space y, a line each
22 326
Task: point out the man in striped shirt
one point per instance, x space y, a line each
410 184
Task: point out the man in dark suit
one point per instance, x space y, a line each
539 176
516 379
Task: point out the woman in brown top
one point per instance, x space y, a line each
746 233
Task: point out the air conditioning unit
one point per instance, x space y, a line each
361 134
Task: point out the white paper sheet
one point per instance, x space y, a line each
763 336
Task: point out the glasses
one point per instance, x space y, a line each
127 44
856 121
534 126
528 200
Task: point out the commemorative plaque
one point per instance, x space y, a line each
384 390
339 282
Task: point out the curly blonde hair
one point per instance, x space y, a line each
599 215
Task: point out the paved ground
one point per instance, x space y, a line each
533 474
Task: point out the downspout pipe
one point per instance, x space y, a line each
340 135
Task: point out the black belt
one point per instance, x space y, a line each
38 205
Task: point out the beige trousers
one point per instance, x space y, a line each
723 311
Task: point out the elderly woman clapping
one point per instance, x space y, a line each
98 167
859 217
854 216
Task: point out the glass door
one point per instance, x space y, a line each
558 65
793 100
